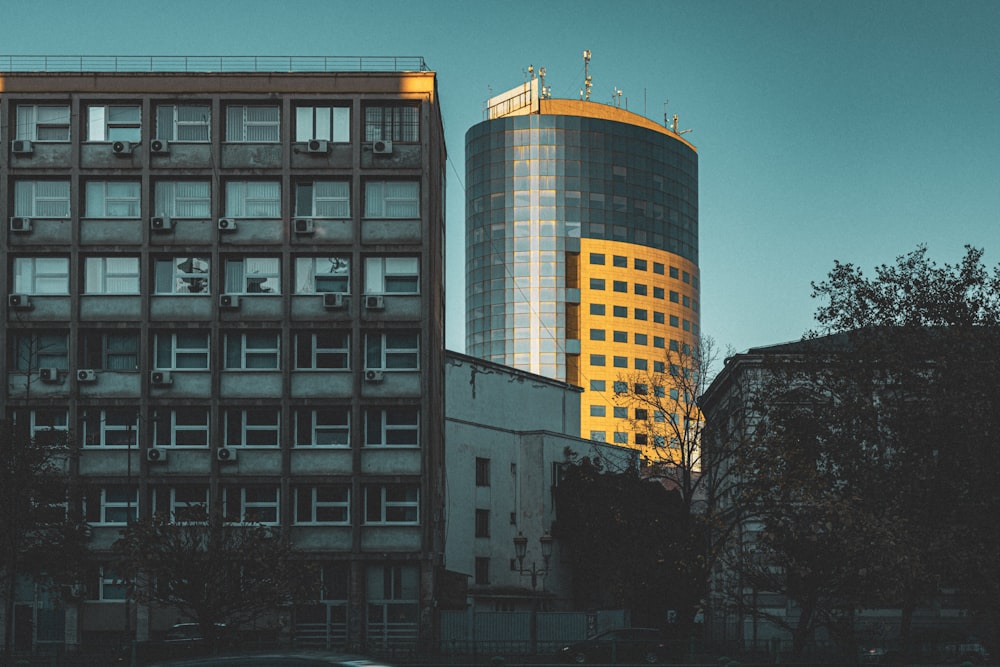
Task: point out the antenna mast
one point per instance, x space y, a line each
587 82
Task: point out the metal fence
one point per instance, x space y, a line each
139 64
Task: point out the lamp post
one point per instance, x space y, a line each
521 550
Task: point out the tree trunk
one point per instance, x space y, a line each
8 618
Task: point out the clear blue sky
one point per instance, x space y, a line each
826 130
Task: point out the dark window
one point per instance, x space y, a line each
482 523
483 571
482 472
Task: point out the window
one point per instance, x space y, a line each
253 275
620 362
392 427
620 311
597 385
641 339
640 264
114 123
482 471
597 258
392 350
674 321
482 573
392 275
323 199
182 275
482 523
111 586
322 274
597 309
41 199
393 594
659 367
50 425
674 296
597 283
658 317
41 275
658 341
111 275
597 360
621 413
323 427
658 268
391 122
113 505
253 199
621 387
183 199
597 334
641 389
183 122
620 286
327 123
620 261
620 336
640 289
42 123
111 427
181 427
598 436
392 504
641 314
112 199
392 199
184 350
42 349
256 427
182 504
257 350
329 504
673 272
621 438
598 411
110 350
686 301
323 350
251 504
256 124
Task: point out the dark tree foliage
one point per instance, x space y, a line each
214 574
626 541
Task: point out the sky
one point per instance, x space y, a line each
826 130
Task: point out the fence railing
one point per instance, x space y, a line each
139 64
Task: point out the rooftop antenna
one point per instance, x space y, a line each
616 99
544 92
587 82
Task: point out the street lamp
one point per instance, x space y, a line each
521 549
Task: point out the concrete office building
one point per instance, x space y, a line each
224 278
581 247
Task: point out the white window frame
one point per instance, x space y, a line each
178 421
241 348
392 275
112 199
393 593
259 200
192 502
253 275
381 424
182 275
393 199
35 122
110 507
243 425
392 504
114 122
311 422
249 123
107 579
40 348
326 122
111 350
384 350
318 275
314 505
57 422
248 506
42 199
176 349
183 199
111 424
172 119
329 199
41 275
111 275
315 346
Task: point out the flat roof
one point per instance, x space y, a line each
173 64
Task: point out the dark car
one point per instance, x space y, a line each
274 660
644 645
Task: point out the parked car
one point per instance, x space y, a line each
644 645
274 660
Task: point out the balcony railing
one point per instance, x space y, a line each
139 64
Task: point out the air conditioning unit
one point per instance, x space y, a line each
159 146
161 224
304 225
49 375
373 376
22 147
225 454
374 302
86 375
156 455
229 301
160 378
227 225
121 148
20 225
382 147
318 146
333 300
19 301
